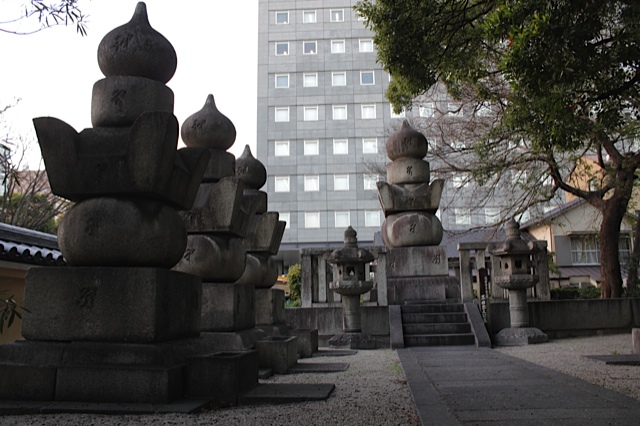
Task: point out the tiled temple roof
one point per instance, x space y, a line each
27 246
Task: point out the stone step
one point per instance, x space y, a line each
439 339
434 318
431 309
437 328
431 302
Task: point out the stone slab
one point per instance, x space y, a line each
278 353
635 340
227 307
624 359
334 352
307 341
417 261
402 290
318 367
282 393
183 405
242 340
111 304
269 304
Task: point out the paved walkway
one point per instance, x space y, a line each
470 385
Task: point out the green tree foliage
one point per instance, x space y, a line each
20 17
562 78
295 283
9 310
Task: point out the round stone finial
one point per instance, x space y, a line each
136 49
350 239
513 230
251 171
208 128
406 142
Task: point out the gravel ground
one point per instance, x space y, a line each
373 391
569 357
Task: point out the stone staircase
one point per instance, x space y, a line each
436 323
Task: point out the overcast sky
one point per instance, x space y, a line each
53 71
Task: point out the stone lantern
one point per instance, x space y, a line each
515 275
350 282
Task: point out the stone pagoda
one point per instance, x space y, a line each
417 267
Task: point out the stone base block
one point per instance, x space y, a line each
141 305
635 340
221 376
278 353
520 336
275 330
227 307
269 306
353 341
307 342
235 340
417 261
400 290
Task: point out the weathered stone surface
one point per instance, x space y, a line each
269 306
137 49
411 229
119 100
222 164
278 353
221 376
122 232
408 171
140 160
307 341
419 197
406 143
265 233
417 261
111 304
227 307
635 340
401 289
208 128
213 259
260 271
255 200
520 336
250 170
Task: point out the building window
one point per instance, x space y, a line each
393 114
484 109
371 218
366 45
462 216
282 81
454 110
311 113
282 18
340 146
491 215
309 17
367 78
281 183
585 249
340 182
368 112
281 148
360 17
339 78
337 46
285 217
282 114
282 48
370 182
309 47
427 110
337 15
459 180
310 79
311 147
312 219
342 219
369 146
312 183
339 112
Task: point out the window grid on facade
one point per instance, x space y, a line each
281 184
340 146
337 15
367 78
310 79
337 46
491 215
462 216
311 147
282 17
309 47
339 78
369 145
311 113
585 250
312 219
281 148
285 217
312 183
339 112
340 182
484 109
368 112
282 81
282 48
281 114
366 45
459 180
454 109
370 182
342 219
309 17
427 110
371 218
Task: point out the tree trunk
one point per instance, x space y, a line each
612 214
